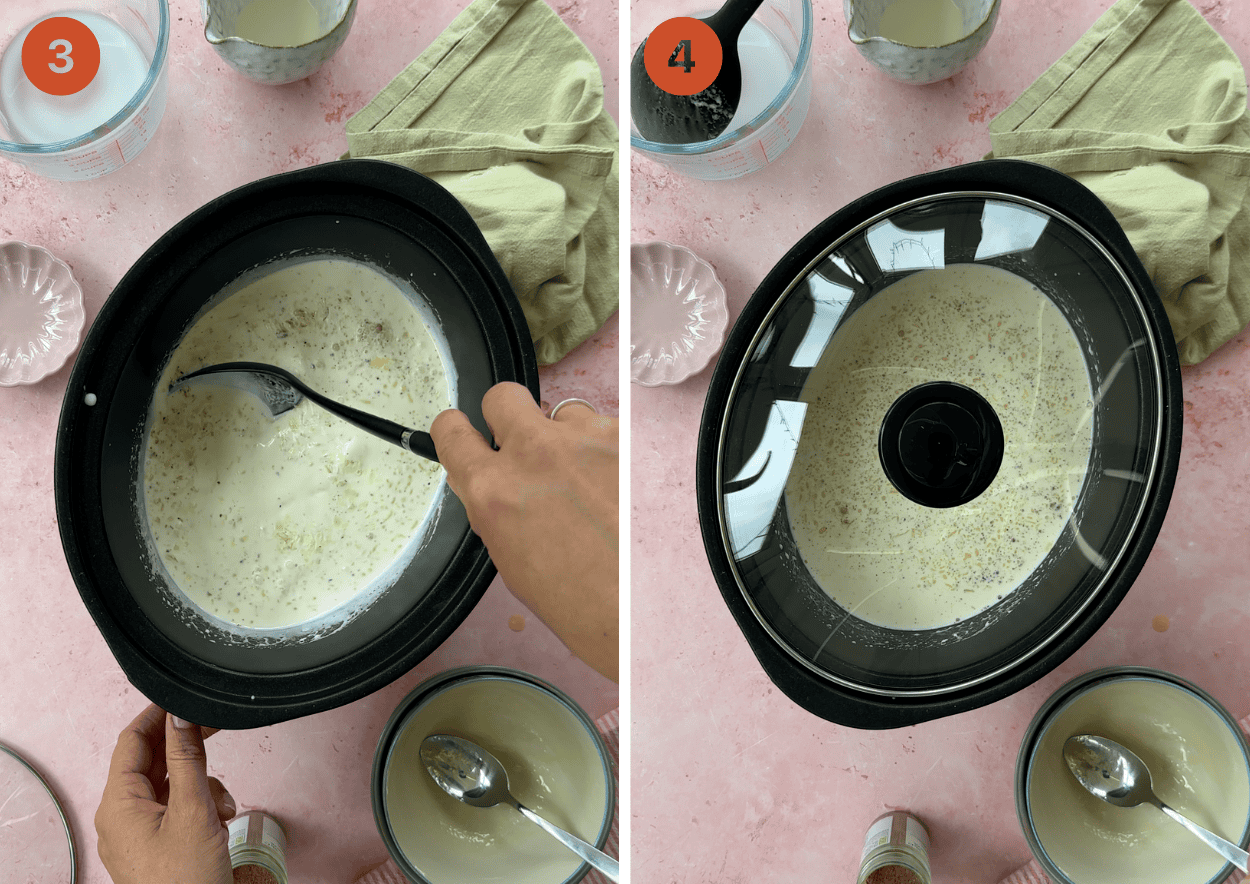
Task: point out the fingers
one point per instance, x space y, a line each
508 407
222 799
187 766
135 752
461 448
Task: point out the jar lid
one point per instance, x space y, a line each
938 429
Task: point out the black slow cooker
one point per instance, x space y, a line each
381 215
939 445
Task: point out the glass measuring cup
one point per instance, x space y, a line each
82 83
775 49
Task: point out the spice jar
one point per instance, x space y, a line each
896 851
257 849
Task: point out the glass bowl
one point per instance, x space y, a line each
107 122
772 109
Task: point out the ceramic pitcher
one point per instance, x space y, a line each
277 41
920 41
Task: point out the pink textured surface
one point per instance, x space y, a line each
731 782
62 697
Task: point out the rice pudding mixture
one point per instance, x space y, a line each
894 562
269 523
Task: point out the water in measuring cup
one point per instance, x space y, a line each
765 68
35 117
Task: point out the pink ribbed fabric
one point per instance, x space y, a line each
1032 872
1029 874
610 729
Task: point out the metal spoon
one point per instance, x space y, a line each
686 119
1116 775
280 391
466 771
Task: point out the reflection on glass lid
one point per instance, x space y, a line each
944 429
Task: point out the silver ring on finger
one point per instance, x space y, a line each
556 408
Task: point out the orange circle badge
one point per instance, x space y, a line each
682 56
60 55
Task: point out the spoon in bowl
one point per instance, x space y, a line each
1116 775
279 391
468 772
666 118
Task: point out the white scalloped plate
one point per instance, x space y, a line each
41 313
678 317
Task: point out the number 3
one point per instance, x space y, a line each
63 56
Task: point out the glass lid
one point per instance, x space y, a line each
36 845
941 440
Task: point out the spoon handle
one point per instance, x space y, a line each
1226 849
415 441
731 18
588 852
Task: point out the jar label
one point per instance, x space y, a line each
237 832
878 836
917 837
258 830
273 837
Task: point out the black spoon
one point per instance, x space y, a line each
280 391
666 118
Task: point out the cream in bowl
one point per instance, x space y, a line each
1198 762
557 766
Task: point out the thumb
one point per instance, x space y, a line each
461 448
187 767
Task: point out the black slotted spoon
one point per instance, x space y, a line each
663 117
280 391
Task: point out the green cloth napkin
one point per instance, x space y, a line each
505 110
1148 110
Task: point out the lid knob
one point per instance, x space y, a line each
941 444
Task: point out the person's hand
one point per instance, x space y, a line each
545 505
161 818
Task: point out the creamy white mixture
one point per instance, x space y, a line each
279 23
922 22
269 523
553 768
897 563
1196 766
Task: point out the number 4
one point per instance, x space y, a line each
683 49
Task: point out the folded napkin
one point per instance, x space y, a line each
505 110
610 729
1031 872
1148 110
